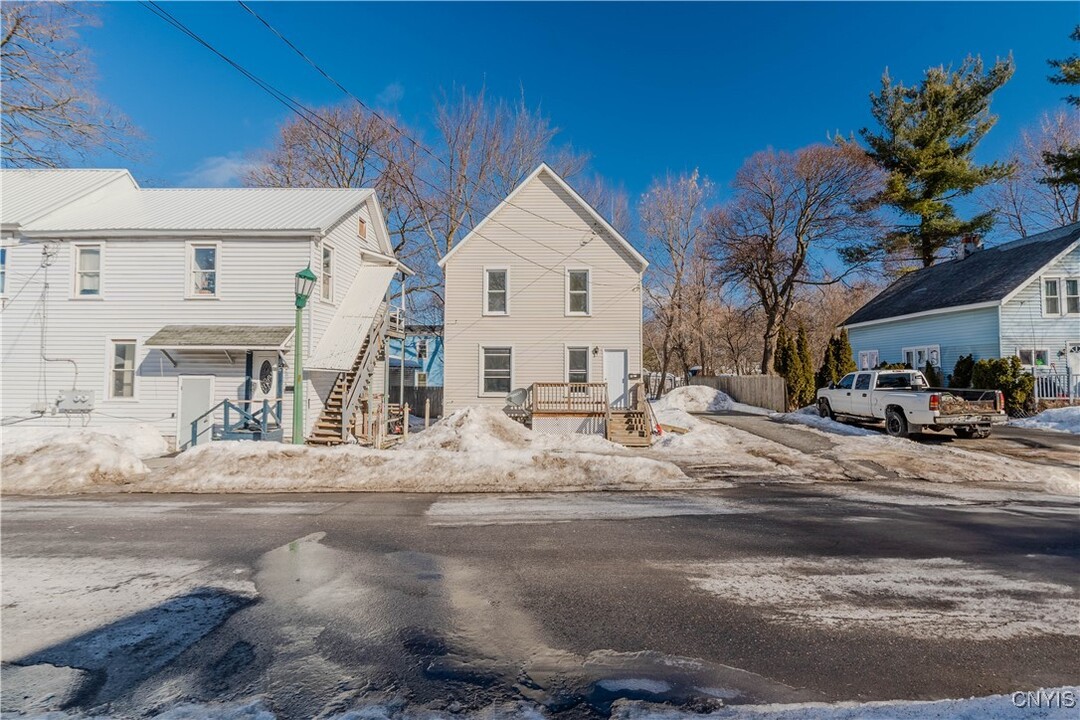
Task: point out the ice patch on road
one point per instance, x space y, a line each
1066 420
924 598
534 509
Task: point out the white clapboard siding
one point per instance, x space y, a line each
537 253
1024 325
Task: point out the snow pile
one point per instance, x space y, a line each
64 460
1065 419
809 416
471 429
694 398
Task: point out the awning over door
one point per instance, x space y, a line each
221 337
343 338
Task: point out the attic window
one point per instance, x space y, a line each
361 229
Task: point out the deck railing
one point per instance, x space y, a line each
568 398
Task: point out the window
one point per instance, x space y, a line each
122 382
1051 296
202 266
495 291
496 370
862 382
88 270
577 292
421 349
327 288
361 228
894 380
917 357
421 379
1072 296
577 365
1034 357
846 382
3 270
868 359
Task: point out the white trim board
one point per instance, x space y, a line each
924 313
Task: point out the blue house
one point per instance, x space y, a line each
423 358
1020 298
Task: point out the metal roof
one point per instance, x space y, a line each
344 336
238 337
181 210
984 276
26 195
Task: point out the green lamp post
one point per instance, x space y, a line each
305 282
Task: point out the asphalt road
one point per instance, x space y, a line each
125 605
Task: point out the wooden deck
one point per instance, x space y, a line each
631 426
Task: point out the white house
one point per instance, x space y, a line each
126 304
544 291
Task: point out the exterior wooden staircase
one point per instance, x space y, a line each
629 428
336 421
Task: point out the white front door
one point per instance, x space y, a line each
264 376
195 397
616 375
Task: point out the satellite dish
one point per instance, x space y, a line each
518 397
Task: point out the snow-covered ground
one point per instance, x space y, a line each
1066 419
59 460
702 399
809 416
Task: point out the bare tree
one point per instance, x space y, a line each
821 308
673 220
484 148
51 112
790 210
610 201
1025 201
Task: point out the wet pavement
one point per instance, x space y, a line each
559 604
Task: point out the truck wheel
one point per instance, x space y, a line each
825 410
895 423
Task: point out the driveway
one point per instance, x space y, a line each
1038 446
315 605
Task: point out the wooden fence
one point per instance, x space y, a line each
415 397
767 391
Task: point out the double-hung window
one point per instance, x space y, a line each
327 287
421 349
122 369
1072 296
87 271
577 365
1033 357
420 379
496 365
496 291
1061 296
202 270
1051 296
577 291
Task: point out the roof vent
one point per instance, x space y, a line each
969 245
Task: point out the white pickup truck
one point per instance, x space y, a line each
907 405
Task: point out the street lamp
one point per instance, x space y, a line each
305 282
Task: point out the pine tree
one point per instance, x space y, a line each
1064 166
804 368
826 374
844 358
782 358
926 142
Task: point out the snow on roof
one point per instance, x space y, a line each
29 194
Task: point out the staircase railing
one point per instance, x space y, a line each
363 369
263 419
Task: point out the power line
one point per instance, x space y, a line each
311 117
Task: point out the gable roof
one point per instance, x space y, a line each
31 194
986 277
509 200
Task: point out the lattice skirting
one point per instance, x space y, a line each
569 424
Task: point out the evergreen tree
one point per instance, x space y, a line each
844 358
1064 165
926 142
782 358
961 374
933 376
826 374
804 369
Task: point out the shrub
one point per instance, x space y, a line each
933 376
961 374
837 362
1008 376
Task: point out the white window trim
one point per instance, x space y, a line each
326 245
1061 297
421 342
109 369
480 380
914 349
1034 351
418 374
1063 294
566 292
75 248
867 354
588 361
484 299
189 269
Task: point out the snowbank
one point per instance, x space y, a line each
1066 419
809 416
694 398
65 460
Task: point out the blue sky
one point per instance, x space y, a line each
645 88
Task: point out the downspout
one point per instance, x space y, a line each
48 251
